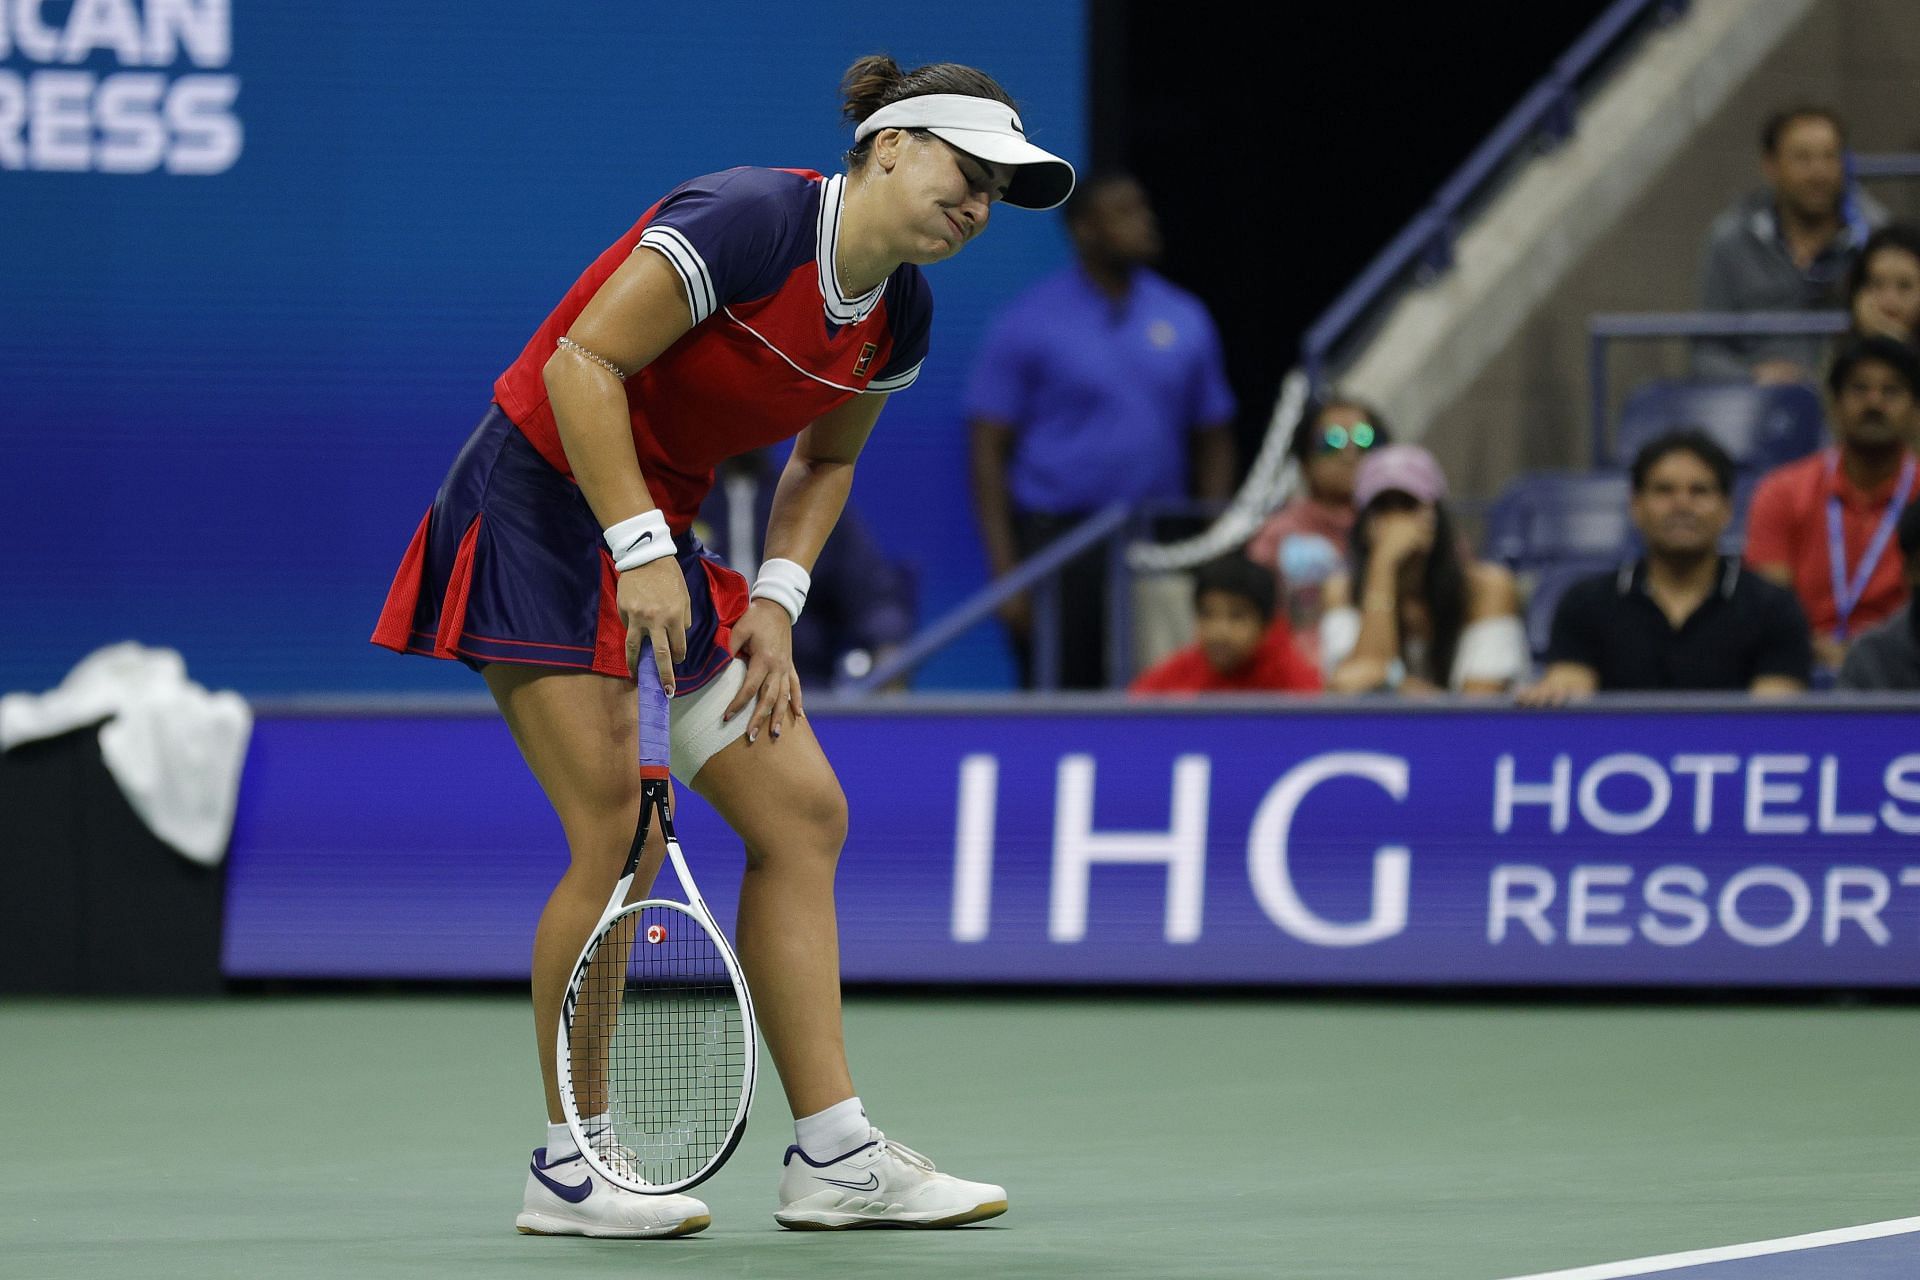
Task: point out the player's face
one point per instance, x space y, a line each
1681 510
1875 406
1805 169
1228 628
947 196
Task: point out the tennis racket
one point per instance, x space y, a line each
657 1040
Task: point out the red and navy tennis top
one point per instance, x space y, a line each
774 343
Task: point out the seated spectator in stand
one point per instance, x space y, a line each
1305 541
1240 643
1784 248
1428 618
1883 288
1888 657
1824 525
861 606
1682 616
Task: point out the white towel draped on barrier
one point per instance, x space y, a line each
175 749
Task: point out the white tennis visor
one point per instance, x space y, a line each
984 128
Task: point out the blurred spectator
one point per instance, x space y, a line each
1305 541
861 606
1240 643
1682 616
1824 525
1428 617
1785 248
1883 287
1090 389
1888 657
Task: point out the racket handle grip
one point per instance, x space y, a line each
655 719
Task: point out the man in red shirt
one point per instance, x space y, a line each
1239 643
1824 526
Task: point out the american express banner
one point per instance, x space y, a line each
261 261
1606 845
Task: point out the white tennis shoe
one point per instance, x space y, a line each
567 1198
879 1184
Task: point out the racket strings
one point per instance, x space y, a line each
659 1041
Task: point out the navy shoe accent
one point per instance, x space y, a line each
571 1194
795 1150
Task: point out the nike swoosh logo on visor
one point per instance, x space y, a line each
872 1182
572 1195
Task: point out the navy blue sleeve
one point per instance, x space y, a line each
910 319
730 235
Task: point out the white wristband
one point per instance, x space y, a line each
638 541
785 583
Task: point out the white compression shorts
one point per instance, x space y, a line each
697 731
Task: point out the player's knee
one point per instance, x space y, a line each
600 811
810 835
826 821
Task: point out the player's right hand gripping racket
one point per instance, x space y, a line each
657 1039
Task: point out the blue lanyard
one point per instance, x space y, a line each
1847 594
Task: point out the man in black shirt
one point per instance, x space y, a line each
1683 616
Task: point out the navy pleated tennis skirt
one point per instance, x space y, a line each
508 566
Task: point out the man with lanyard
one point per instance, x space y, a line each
1824 525
1888 657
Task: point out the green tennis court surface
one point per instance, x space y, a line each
388 1136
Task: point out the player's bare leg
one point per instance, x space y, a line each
781 797
579 733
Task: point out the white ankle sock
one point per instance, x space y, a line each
560 1143
832 1133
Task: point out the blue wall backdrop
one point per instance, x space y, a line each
263 261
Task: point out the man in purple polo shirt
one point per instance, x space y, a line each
1094 386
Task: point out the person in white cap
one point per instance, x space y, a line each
1417 614
770 304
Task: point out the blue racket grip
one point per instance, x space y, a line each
654 715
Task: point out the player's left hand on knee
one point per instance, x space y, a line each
765 639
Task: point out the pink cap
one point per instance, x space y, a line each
1402 468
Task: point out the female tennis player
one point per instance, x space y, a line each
768 304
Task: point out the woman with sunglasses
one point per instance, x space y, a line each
1305 541
747 307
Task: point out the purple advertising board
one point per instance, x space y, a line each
1095 843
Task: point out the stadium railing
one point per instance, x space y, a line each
1606 328
1545 117
1040 574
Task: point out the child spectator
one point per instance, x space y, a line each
1305 541
1240 645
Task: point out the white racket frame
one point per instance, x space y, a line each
695 907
